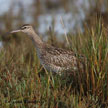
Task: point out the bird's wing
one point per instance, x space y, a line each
62 58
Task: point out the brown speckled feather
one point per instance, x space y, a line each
58 59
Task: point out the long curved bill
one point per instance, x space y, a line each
15 31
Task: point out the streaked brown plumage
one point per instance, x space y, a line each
52 58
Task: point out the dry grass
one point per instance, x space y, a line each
25 84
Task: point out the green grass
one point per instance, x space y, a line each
25 84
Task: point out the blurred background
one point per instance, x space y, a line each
51 17
77 25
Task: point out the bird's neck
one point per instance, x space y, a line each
36 40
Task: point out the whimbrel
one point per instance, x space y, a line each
52 58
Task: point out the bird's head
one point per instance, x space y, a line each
28 29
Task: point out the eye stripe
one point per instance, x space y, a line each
23 27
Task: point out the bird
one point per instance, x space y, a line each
56 60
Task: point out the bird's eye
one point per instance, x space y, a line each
24 27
